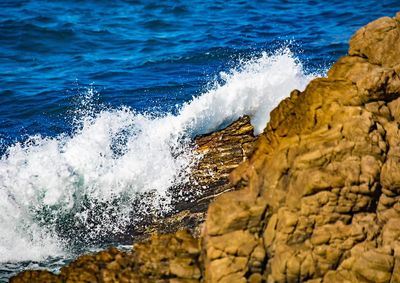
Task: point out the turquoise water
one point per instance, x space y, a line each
99 100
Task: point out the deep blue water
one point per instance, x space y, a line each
150 54
60 60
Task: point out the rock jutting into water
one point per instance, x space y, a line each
221 152
317 201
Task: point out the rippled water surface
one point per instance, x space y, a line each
98 100
148 54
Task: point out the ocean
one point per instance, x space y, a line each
99 101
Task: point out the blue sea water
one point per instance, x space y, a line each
98 97
150 54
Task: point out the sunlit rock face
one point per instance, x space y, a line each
318 199
320 195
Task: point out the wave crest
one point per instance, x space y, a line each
85 186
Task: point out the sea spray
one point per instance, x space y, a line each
76 189
254 89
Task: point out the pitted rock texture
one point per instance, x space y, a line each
163 258
319 198
317 201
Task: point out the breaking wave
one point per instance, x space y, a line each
85 186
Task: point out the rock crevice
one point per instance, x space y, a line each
318 199
326 171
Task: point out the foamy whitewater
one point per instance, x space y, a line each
83 185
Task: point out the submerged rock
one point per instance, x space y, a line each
317 201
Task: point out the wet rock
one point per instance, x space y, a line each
162 258
317 201
219 153
35 276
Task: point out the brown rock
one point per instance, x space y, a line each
35 276
374 266
379 42
160 259
324 176
317 201
221 152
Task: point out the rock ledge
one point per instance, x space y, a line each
317 201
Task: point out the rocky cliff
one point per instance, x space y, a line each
317 201
320 195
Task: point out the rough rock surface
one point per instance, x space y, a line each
320 195
221 152
319 199
168 258
164 258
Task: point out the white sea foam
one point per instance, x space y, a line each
118 153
